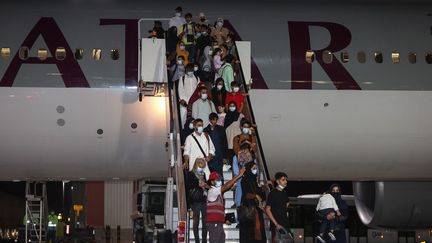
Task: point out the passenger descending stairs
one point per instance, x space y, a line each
231 232
36 212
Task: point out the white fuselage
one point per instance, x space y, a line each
380 132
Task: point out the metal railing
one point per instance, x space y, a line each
248 112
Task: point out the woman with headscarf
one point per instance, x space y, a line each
187 130
253 195
339 233
219 93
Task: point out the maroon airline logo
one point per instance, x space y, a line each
73 76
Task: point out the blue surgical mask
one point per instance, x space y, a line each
245 130
218 184
255 171
190 74
204 96
232 108
200 170
200 129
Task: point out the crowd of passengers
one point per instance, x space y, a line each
204 67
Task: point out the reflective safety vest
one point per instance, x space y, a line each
52 220
216 210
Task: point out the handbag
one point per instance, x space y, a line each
246 213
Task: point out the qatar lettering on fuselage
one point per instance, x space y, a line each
301 71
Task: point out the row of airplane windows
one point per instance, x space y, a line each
60 53
96 54
327 57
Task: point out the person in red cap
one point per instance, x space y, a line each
216 205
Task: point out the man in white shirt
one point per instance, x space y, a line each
326 209
192 150
177 20
186 87
202 107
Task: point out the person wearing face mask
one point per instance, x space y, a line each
226 71
216 205
202 107
204 40
197 195
187 130
235 96
339 233
230 45
220 33
277 205
198 145
232 122
253 196
219 93
181 51
217 60
218 136
186 87
244 140
187 34
177 20
177 70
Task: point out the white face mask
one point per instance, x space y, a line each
218 184
204 96
232 108
255 171
236 89
190 74
210 52
195 69
198 34
191 125
219 87
245 130
200 170
178 14
214 47
281 187
182 48
179 62
219 24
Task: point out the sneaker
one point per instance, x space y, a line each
332 236
319 237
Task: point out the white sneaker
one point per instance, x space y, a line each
321 239
332 236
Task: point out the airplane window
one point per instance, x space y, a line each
395 57
310 56
361 57
345 57
5 52
378 57
42 54
97 54
60 53
327 57
412 57
428 58
115 54
23 53
79 53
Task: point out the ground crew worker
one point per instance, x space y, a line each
52 225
